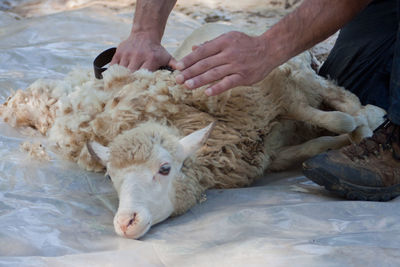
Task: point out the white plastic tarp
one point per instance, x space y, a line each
55 214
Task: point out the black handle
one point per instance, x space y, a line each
105 57
101 60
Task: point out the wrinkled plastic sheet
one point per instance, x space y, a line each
55 214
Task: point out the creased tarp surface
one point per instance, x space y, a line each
55 214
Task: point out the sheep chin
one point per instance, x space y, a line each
138 235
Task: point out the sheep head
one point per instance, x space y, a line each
143 163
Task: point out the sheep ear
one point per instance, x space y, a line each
98 152
192 142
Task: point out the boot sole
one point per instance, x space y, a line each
348 190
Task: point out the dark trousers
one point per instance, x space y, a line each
366 57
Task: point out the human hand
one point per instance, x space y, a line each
141 51
232 59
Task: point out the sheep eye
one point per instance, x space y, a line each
164 169
108 177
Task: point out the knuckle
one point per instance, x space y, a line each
220 89
204 65
127 54
201 50
223 41
215 72
197 81
228 83
187 74
234 80
186 60
201 80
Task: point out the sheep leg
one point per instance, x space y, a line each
367 118
339 98
292 155
334 121
359 126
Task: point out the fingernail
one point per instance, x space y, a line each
180 65
179 78
189 83
208 91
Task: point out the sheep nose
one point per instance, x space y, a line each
126 220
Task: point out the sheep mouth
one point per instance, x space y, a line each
138 235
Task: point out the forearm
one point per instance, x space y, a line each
151 17
312 22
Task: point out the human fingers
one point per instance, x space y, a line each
115 59
194 47
157 59
201 67
205 50
212 75
172 62
150 65
228 82
124 61
134 65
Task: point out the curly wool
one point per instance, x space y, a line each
132 112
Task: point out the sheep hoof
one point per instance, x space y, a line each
339 122
360 133
375 115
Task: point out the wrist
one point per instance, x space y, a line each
151 17
274 50
147 33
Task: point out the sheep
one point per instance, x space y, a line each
163 146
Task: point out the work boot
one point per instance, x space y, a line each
369 170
